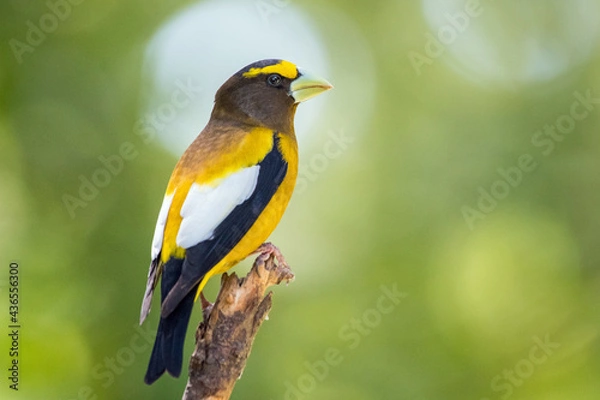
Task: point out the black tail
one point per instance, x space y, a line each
167 354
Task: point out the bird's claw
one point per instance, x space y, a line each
268 250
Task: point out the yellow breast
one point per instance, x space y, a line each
271 215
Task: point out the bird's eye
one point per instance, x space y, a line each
274 80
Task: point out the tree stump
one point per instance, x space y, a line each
224 339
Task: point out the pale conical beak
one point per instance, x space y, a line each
306 86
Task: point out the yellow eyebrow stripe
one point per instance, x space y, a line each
283 68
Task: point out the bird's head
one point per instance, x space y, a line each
266 93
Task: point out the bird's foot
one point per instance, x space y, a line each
267 250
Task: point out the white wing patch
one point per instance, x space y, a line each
206 206
160 225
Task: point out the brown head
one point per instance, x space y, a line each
266 93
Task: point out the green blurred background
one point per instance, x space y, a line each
444 233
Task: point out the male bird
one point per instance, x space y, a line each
226 195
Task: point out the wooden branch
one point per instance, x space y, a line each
224 339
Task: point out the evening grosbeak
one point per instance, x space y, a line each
226 195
